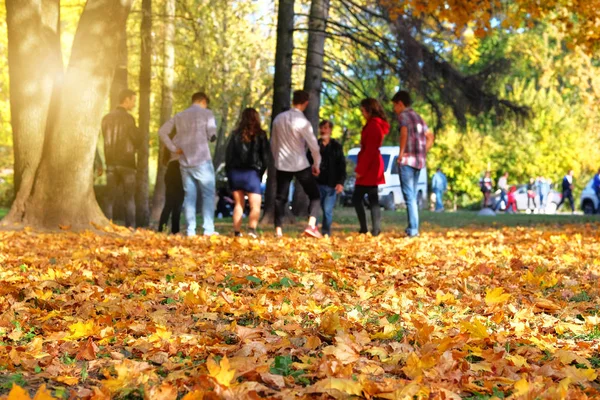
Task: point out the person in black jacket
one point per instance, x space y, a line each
121 143
174 193
247 158
567 191
333 173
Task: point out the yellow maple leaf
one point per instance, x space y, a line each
496 296
476 329
347 386
222 372
81 330
18 393
521 387
43 394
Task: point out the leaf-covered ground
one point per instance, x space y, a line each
458 313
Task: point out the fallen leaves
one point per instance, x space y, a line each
455 314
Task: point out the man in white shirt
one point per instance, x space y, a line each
291 134
503 186
195 127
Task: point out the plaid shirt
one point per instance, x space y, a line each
416 143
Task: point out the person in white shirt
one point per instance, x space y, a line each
195 127
291 134
503 186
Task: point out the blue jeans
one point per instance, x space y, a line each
439 204
328 198
201 177
409 178
503 198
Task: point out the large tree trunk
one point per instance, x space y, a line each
317 24
63 188
282 87
219 156
313 78
166 108
142 214
33 41
120 80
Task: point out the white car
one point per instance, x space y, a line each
589 201
390 193
551 201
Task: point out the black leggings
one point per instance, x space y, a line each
173 198
358 200
308 182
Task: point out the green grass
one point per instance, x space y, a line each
345 220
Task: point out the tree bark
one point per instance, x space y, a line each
166 107
63 192
313 78
120 80
33 29
282 88
142 214
219 156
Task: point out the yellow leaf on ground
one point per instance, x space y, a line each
496 296
476 329
222 372
81 329
521 387
18 393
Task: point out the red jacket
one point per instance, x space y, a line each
369 166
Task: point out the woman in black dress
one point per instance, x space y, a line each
246 162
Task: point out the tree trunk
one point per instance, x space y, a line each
33 41
313 78
317 24
282 87
166 107
63 192
142 214
120 80
219 156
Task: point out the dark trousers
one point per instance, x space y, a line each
120 179
308 182
567 195
174 195
358 200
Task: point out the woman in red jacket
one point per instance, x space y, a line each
369 166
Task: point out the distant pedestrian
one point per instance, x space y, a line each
511 200
486 184
333 173
531 194
439 185
567 191
121 144
247 159
415 141
174 193
195 127
369 166
596 184
291 134
503 187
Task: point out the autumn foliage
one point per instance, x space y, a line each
470 313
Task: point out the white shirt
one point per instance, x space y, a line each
195 127
291 134
503 183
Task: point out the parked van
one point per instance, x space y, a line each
390 194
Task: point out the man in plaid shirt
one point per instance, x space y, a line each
415 141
